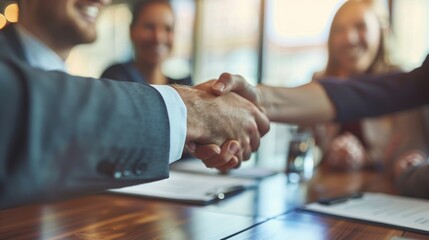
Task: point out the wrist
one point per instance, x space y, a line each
190 99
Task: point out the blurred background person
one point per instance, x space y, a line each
152 36
358 44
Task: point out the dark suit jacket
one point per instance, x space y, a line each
368 96
62 136
377 95
129 73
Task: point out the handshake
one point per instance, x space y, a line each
226 119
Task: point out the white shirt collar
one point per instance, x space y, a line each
38 54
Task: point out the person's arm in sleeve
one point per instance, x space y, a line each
328 100
63 136
375 95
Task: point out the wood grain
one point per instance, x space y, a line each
265 212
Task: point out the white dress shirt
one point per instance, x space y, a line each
41 56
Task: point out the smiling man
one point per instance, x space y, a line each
57 25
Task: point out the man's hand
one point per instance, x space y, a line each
215 120
222 158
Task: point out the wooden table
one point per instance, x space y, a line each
266 212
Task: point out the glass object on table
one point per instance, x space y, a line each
300 157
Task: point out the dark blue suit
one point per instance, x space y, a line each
63 136
368 96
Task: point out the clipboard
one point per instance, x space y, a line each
406 213
190 188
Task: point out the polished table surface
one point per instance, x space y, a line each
266 212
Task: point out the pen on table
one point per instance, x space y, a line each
227 192
341 199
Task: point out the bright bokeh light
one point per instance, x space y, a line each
2 21
11 12
303 22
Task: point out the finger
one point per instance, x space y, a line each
246 155
255 139
204 152
234 83
238 164
228 166
228 150
247 152
190 147
207 86
262 121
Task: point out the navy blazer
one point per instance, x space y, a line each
129 73
368 96
62 136
13 42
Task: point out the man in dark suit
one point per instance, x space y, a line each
64 136
343 101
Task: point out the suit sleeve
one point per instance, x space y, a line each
63 136
370 96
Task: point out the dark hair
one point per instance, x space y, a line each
137 7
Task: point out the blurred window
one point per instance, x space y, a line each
295 39
227 34
411 31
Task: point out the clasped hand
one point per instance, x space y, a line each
225 121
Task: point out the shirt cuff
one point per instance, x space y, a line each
177 115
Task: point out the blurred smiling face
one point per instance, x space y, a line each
153 33
355 38
71 20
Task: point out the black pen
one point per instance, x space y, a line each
228 191
341 199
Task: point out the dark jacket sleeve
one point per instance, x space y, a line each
369 96
63 136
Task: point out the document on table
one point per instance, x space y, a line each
190 188
404 212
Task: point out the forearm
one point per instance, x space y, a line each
306 104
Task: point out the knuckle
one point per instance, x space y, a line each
226 76
252 128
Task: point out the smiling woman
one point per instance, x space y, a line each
357 44
152 35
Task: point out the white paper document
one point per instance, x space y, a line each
190 188
410 213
